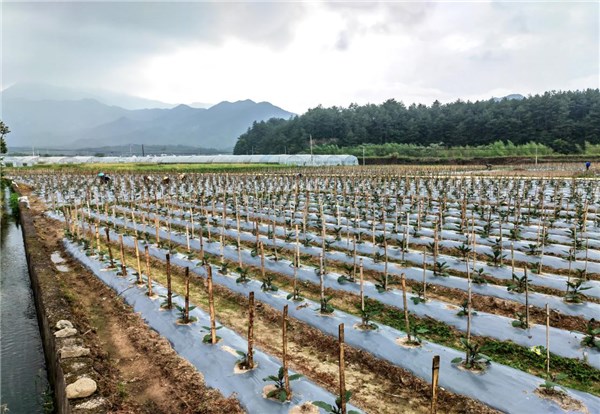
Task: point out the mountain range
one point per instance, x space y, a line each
47 116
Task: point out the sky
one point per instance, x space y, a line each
298 55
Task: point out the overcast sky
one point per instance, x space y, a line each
298 55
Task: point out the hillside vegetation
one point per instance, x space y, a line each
559 122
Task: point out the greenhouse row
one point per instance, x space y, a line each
290 159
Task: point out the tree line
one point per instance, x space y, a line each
563 121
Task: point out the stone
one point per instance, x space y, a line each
91 404
83 387
73 352
65 332
62 324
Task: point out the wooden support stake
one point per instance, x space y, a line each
342 369
526 299
362 290
169 291
250 354
547 341
435 374
139 264
149 277
123 266
286 377
406 320
107 231
157 225
187 294
211 305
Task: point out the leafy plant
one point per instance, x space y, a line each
337 409
520 322
440 269
295 295
474 358
591 338
348 277
326 307
267 284
463 250
184 316
383 283
242 362
549 385
372 309
224 269
243 272
464 311
416 330
419 291
279 393
478 277
518 284
574 289
207 339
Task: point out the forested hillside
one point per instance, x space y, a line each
563 121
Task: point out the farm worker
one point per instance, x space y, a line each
588 165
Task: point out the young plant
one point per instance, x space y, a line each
279 393
242 362
337 409
326 307
295 295
416 330
372 309
464 311
224 269
549 385
267 284
520 321
383 283
574 289
478 277
592 337
207 339
419 291
463 250
440 269
348 277
518 284
474 359
243 272
184 317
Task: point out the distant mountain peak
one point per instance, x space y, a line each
511 97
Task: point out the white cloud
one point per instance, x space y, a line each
299 55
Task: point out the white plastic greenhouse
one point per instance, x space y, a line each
285 159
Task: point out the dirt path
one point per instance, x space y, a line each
138 371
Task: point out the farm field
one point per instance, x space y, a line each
366 283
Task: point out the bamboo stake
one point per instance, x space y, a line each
286 377
107 231
406 320
250 354
169 292
123 265
157 225
526 298
435 375
148 275
342 369
211 305
137 258
547 340
362 290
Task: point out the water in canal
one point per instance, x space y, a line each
23 379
